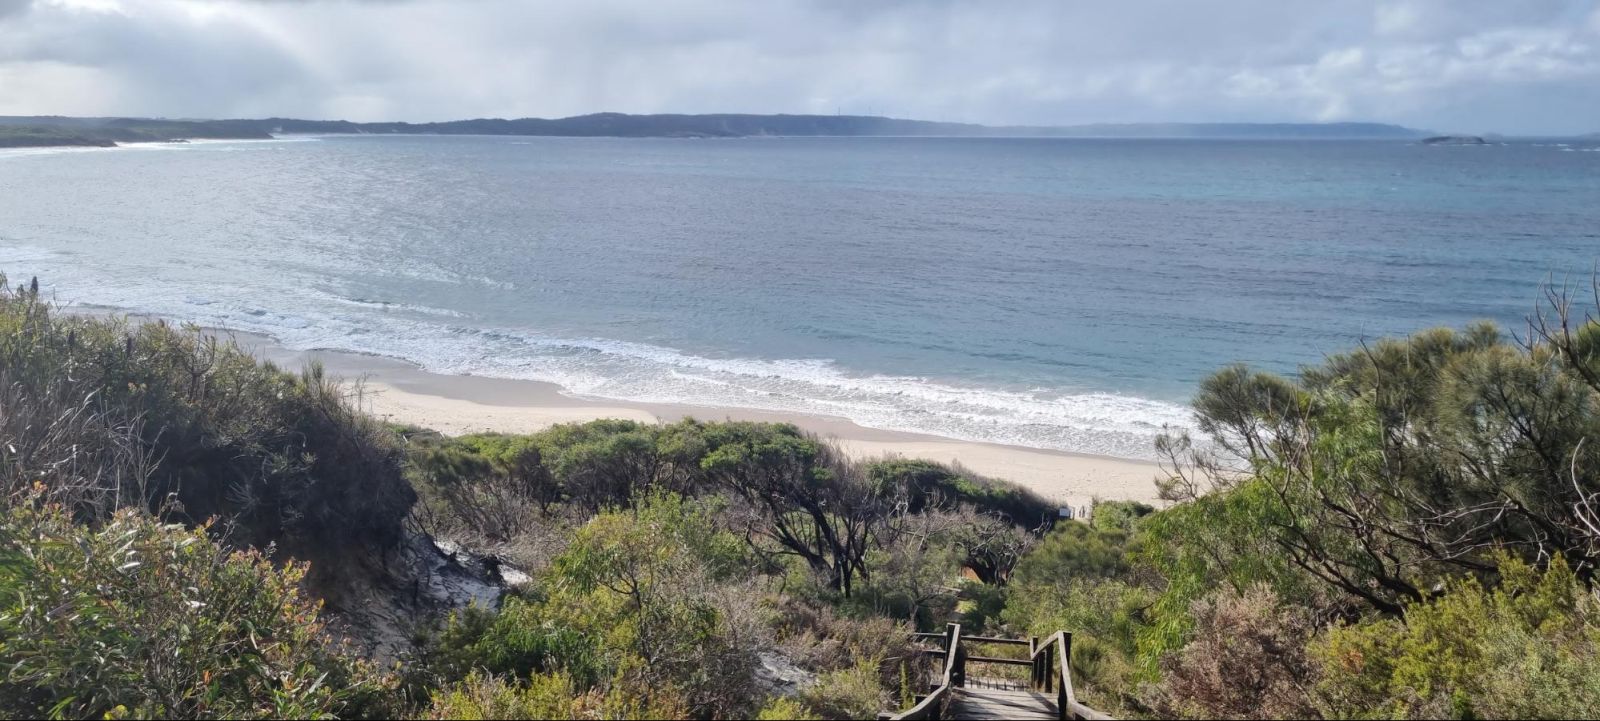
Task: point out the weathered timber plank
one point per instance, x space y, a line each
984 704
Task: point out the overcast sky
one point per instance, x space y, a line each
1520 66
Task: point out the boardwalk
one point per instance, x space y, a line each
983 703
1045 694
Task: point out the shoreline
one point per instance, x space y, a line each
399 391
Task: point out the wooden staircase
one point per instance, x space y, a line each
1047 694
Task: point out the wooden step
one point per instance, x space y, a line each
971 703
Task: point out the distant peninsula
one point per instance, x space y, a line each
39 131
56 131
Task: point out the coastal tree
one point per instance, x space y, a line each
1382 471
806 498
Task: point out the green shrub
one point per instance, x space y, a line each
925 483
849 693
813 502
484 489
1074 551
1386 471
107 414
484 698
1087 582
1528 648
981 606
1119 516
782 709
822 638
602 463
518 641
150 620
1247 659
641 607
1220 540
549 696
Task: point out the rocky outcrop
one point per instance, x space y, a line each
779 675
379 600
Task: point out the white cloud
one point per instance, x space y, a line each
1524 66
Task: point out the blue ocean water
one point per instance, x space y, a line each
1062 294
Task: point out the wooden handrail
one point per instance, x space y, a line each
991 639
999 660
1052 671
954 676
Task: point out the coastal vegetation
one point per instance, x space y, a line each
1407 530
35 136
25 132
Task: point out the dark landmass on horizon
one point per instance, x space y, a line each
43 131
55 131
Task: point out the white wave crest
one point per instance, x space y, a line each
443 341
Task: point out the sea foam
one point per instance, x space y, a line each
443 341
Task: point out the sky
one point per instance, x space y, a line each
1474 66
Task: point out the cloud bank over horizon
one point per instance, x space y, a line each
1530 66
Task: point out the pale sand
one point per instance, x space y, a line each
402 393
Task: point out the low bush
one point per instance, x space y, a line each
547 696
786 709
106 414
1528 647
136 618
820 638
1087 582
855 692
1119 516
643 605
1246 660
924 483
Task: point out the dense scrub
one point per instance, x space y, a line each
105 414
1405 531
790 495
1408 531
671 565
135 618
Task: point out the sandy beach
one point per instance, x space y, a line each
401 392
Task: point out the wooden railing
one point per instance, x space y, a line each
1048 662
1053 672
954 676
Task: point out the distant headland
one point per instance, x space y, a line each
44 131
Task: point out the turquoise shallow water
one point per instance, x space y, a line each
1060 294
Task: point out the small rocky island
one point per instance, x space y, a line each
1455 140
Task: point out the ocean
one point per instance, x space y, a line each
1052 293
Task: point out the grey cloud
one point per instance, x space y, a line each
1475 65
13 7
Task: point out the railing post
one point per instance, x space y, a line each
953 647
1033 662
1064 696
